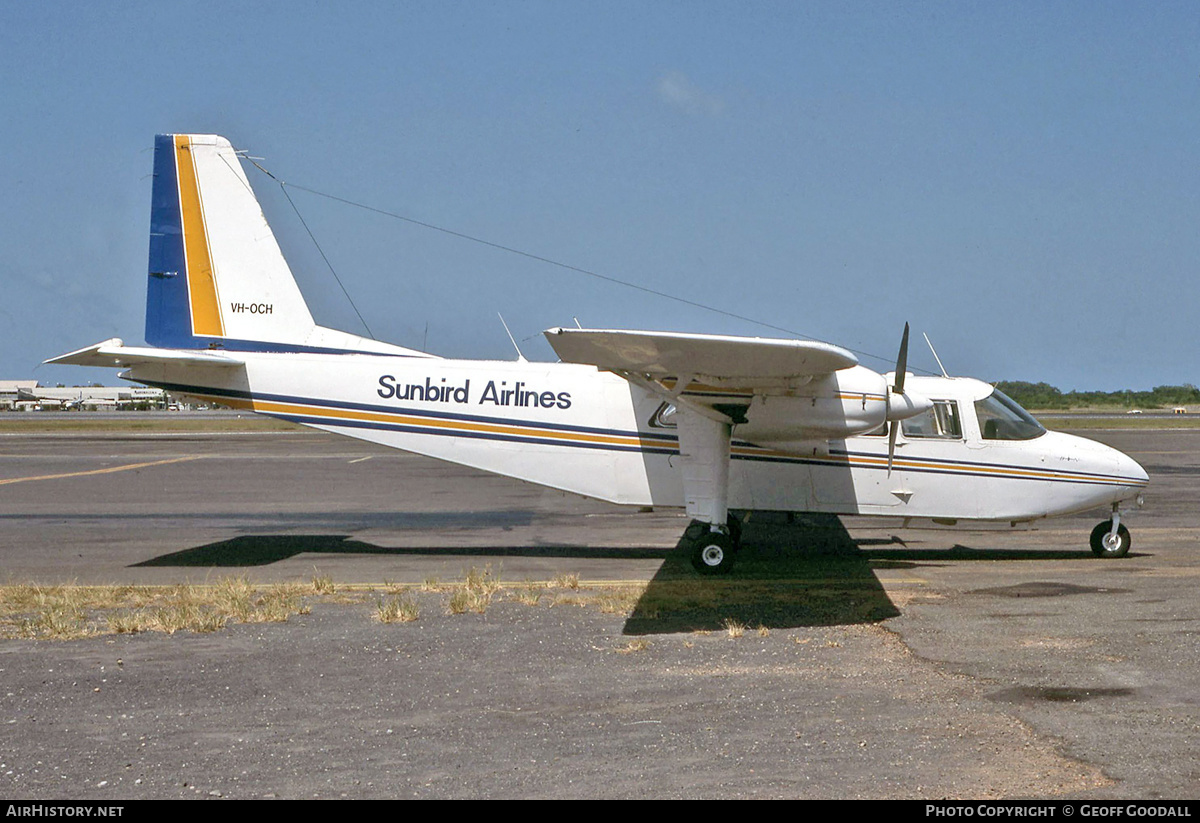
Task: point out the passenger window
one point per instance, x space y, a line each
940 421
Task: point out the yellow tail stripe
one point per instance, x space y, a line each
202 287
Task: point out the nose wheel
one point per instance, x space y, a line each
1110 539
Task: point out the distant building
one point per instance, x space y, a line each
27 394
10 390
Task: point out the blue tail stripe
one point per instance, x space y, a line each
168 307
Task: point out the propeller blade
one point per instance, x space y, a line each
898 388
902 362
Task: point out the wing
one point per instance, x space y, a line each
743 362
115 353
715 383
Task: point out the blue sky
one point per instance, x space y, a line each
1018 180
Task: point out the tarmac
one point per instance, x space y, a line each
902 663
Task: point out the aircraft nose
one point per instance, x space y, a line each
1129 476
1130 470
1116 475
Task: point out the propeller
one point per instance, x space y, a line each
902 405
897 388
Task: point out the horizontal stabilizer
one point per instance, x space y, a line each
746 361
114 353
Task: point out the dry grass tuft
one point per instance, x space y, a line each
734 628
529 594
397 609
185 616
56 622
462 601
483 581
619 600
476 593
637 644
565 581
69 612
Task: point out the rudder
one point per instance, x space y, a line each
217 276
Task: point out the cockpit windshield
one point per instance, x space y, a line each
1002 418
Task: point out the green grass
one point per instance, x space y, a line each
1068 422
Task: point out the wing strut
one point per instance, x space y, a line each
704 452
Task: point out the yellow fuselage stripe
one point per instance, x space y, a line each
567 437
267 407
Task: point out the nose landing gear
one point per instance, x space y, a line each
1110 538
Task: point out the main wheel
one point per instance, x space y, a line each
1106 544
713 554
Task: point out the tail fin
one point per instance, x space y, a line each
217 276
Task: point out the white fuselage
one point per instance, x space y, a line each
590 432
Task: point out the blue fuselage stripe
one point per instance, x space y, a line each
651 442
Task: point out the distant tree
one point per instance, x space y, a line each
1033 395
1045 396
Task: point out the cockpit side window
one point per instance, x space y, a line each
1002 418
940 421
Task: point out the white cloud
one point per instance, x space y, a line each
678 91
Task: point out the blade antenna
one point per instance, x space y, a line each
935 357
520 357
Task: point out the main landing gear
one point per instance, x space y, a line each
713 552
1110 538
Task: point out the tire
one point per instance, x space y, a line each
713 554
1103 545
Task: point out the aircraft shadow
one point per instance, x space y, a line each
908 558
764 550
796 571
790 573
264 549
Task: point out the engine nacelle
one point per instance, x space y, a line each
842 404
